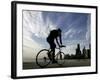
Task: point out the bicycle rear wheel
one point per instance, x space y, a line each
42 58
60 58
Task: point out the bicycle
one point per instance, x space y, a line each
43 57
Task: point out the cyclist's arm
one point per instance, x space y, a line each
60 38
57 42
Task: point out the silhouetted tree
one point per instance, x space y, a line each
67 56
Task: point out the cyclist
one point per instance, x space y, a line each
54 35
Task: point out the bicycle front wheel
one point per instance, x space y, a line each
42 58
60 58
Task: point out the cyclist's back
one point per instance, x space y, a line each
53 34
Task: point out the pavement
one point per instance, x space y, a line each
68 63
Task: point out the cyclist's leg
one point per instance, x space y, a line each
53 55
49 53
53 46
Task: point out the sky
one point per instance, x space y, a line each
38 24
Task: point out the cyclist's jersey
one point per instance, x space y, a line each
53 35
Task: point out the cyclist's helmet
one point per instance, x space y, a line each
59 29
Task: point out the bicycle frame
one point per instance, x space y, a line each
59 49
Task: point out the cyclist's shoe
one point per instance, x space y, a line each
54 61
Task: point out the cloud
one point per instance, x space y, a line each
73 28
34 23
88 33
70 49
70 33
37 25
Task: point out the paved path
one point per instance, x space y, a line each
68 63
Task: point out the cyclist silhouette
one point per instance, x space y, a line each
54 35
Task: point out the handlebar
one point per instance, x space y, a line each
62 46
